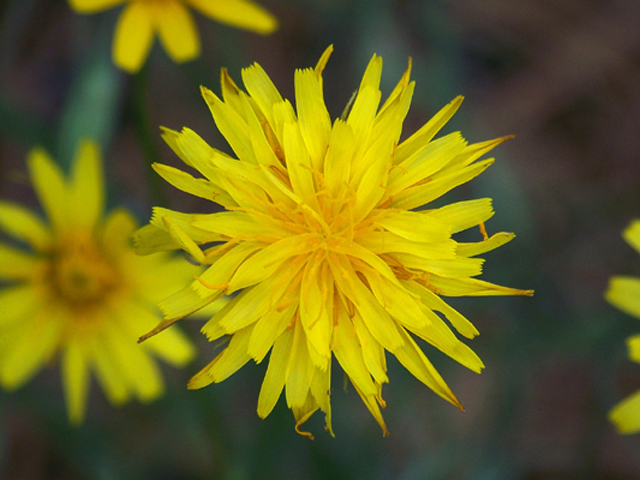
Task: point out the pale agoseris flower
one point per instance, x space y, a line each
171 20
624 293
322 240
79 294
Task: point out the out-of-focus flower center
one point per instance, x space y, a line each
80 274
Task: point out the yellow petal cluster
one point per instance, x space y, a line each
171 20
79 293
624 293
324 239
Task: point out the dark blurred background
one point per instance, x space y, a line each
563 76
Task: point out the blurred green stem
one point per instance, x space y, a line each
141 125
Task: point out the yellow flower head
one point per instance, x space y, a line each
171 20
624 293
321 240
81 293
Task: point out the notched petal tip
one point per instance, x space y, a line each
208 95
227 81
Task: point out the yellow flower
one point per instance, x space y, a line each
171 20
322 241
81 293
624 293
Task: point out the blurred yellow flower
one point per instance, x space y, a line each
81 293
624 293
322 240
174 24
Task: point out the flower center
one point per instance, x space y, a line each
80 274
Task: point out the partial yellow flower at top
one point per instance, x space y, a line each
325 241
624 293
174 24
79 293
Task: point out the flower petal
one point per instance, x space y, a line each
133 36
320 389
137 367
198 187
412 358
375 317
109 376
316 309
387 242
445 267
396 300
23 224
16 264
93 6
177 30
372 351
478 248
117 228
434 302
262 90
423 193
416 226
25 356
471 153
232 126
86 189
315 123
221 271
50 186
172 346
182 239
303 412
633 344
268 329
632 235
300 369
427 160
623 293
299 165
185 302
264 263
360 120
75 380
424 135
171 138
337 163
372 404
348 352
626 415
259 299
18 303
186 222
276 375
232 359
463 215
471 287
238 13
